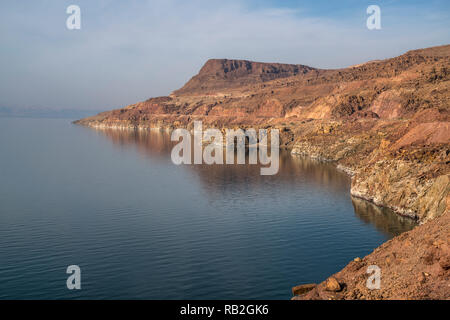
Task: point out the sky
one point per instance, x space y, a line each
129 51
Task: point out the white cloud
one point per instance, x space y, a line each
130 51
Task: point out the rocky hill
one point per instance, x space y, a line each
219 74
385 122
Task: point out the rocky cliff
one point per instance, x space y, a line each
386 122
220 74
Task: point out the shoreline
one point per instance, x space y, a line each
350 173
293 150
352 278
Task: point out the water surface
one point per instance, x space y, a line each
140 227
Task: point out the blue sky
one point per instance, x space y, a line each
128 51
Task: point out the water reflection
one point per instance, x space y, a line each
384 219
219 180
143 228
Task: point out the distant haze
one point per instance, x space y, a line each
128 51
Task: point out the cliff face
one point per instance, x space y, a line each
409 175
219 74
387 123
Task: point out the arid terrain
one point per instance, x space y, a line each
385 122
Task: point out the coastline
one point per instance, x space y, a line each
385 123
413 265
359 185
364 185
353 277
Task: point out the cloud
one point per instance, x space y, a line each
126 52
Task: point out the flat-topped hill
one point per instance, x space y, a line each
223 74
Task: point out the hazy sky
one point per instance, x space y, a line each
128 51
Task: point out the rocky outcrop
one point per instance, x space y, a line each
399 186
413 181
220 74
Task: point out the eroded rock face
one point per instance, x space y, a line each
219 74
398 185
410 178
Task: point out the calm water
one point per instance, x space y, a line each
140 227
